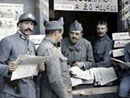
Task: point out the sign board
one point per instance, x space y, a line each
36 39
120 36
120 43
87 5
9 15
118 52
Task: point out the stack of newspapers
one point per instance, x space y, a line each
97 76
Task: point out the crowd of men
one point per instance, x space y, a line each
54 80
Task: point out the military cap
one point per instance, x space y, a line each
26 17
76 26
54 25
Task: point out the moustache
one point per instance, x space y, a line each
100 32
28 30
73 38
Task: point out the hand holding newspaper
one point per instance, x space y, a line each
78 73
122 64
80 76
27 66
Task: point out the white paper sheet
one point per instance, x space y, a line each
76 81
27 66
86 75
104 75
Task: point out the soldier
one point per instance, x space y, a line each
55 81
124 87
10 48
102 46
77 49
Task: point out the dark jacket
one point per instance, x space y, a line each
126 70
101 50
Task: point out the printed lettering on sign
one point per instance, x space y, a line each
87 5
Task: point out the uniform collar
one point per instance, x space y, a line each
76 46
22 36
103 37
50 40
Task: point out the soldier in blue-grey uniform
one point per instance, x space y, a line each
10 48
55 81
102 46
124 87
77 49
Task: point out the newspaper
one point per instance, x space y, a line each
103 75
27 66
80 76
98 76
86 75
121 63
76 81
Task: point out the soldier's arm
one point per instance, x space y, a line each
5 49
89 54
54 75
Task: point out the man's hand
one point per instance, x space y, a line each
79 64
12 66
72 74
41 67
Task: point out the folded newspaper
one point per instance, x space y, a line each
27 66
121 63
103 75
79 73
98 76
